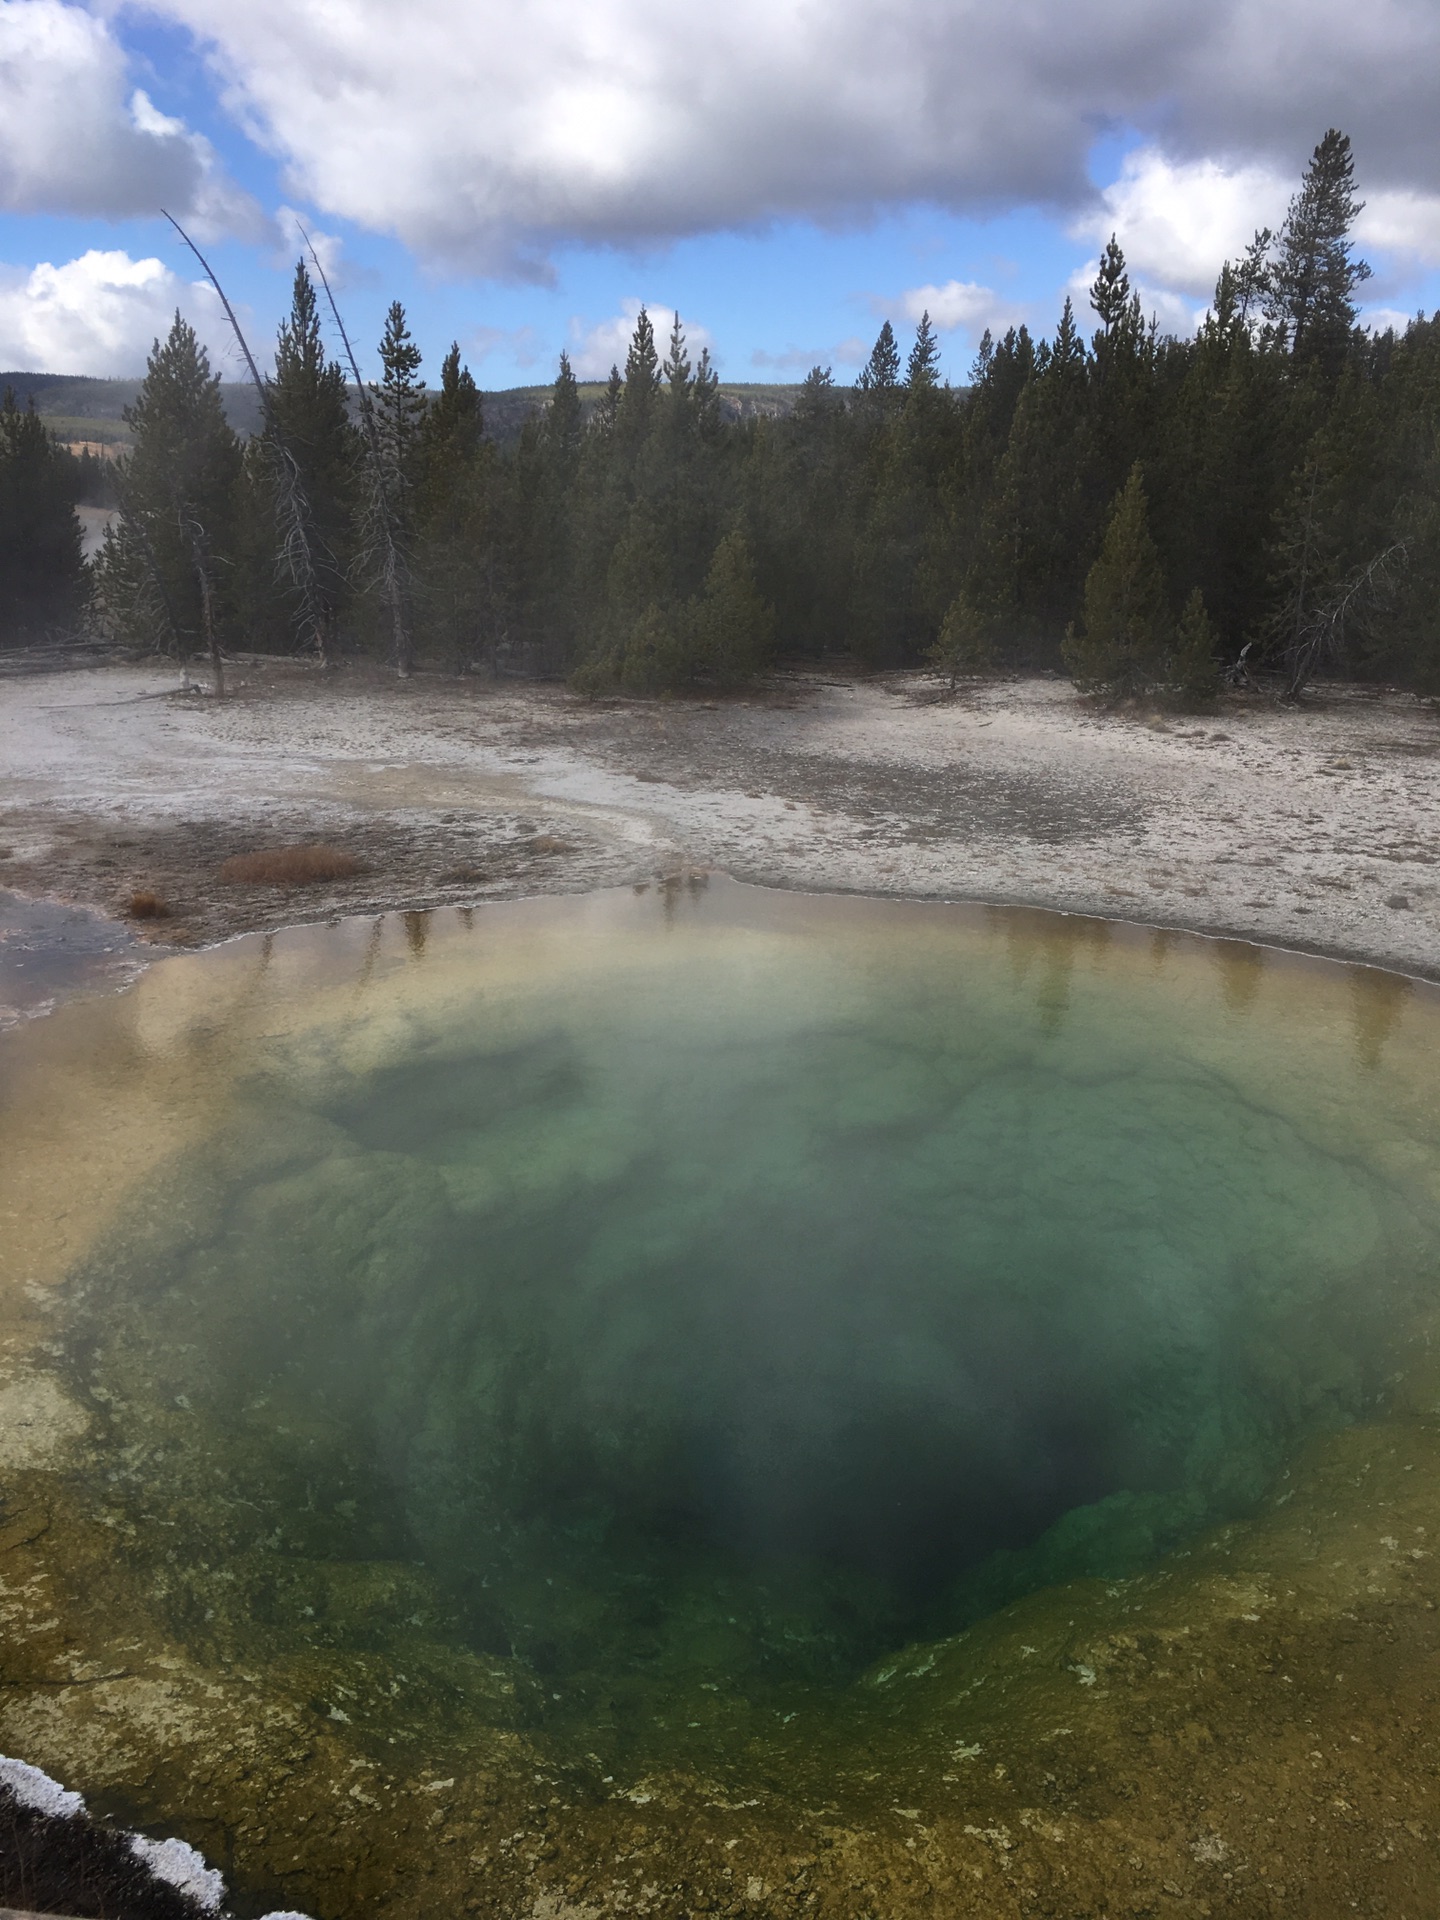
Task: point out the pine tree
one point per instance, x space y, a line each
677 369
42 571
642 386
965 648
1121 649
880 376
1191 676
393 418
706 397
564 420
164 572
1110 290
922 373
454 563
399 404
1067 355
1314 275
817 399
733 628
607 414
309 406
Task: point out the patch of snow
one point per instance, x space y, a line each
32 1788
180 1866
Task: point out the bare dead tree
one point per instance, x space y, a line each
382 552
194 536
293 518
1321 635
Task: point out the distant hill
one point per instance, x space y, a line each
507 410
77 408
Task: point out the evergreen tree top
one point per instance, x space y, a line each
1068 350
178 420
1312 279
923 370
677 360
881 372
1110 289
455 417
564 417
300 344
642 362
399 355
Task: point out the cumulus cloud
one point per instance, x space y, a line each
76 138
98 314
1404 224
486 136
851 352
959 306
1178 221
297 235
595 349
522 344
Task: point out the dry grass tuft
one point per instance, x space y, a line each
146 905
290 866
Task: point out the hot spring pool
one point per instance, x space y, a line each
631 1329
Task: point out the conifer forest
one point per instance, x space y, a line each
1152 515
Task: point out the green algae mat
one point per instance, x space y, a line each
702 1400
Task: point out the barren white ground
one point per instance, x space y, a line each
1317 827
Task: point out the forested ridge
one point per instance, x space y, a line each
1148 512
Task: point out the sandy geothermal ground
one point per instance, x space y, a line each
1317 827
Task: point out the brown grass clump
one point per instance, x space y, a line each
146 905
290 866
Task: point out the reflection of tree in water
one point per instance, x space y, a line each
371 955
1052 943
675 887
1241 965
1163 941
417 926
1376 1001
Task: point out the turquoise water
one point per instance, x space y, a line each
713 1290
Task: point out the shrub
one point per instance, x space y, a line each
146 905
289 867
965 648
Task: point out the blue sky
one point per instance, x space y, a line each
522 179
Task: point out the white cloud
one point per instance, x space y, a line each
75 138
1382 319
595 349
795 359
1402 223
522 344
98 314
958 306
486 135
850 352
298 234
1176 313
1178 221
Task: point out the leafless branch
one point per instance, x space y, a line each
391 564
1322 634
292 510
